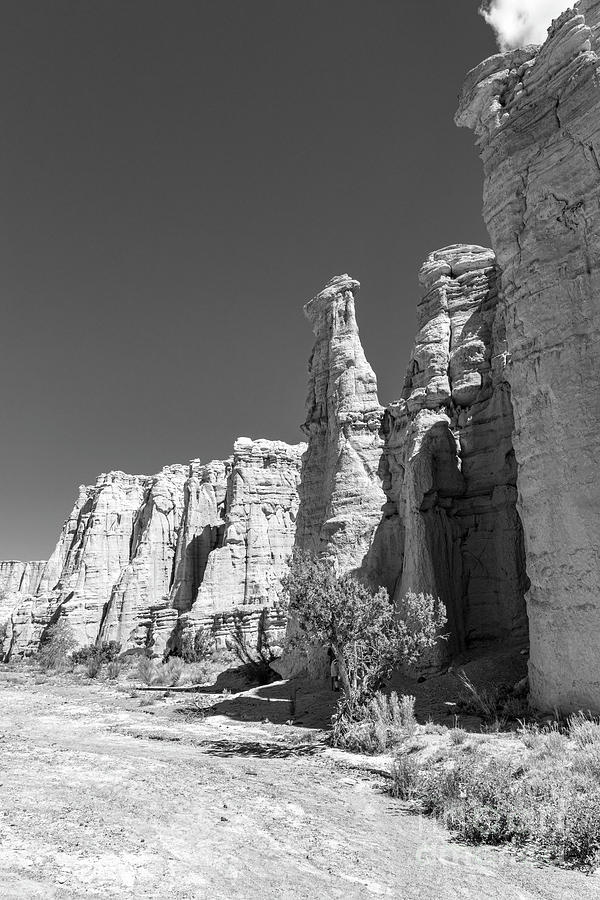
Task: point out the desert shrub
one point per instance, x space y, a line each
374 726
255 653
105 652
197 646
584 730
93 666
57 644
146 670
170 672
457 735
405 771
487 702
194 673
114 669
548 804
368 635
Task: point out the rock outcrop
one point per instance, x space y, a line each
138 551
450 468
341 497
536 115
244 571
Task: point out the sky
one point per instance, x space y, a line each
178 178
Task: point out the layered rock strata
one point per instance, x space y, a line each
450 467
341 497
244 571
137 551
536 115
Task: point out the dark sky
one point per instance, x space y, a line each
178 178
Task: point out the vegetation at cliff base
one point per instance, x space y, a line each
368 636
540 793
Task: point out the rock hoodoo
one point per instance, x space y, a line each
536 115
341 497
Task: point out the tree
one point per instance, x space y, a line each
368 636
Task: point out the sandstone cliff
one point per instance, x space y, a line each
536 115
341 498
450 468
259 528
137 551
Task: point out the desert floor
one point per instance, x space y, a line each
104 794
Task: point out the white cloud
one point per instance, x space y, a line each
520 22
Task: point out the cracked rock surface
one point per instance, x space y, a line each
536 116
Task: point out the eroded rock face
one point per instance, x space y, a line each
138 551
341 494
257 537
536 115
450 468
24 577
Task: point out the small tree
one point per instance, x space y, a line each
368 636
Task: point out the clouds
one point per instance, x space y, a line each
520 22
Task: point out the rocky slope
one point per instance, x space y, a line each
536 115
137 550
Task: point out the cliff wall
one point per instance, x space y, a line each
450 467
137 551
536 116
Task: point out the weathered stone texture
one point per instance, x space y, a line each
450 468
258 534
341 494
138 551
536 114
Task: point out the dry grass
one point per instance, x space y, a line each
383 722
542 795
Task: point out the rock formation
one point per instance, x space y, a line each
244 571
450 467
340 493
137 551
536 115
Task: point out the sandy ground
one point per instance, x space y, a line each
104 797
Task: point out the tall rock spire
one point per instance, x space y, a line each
341 497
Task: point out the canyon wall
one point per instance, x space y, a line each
536 116
137 551
450 467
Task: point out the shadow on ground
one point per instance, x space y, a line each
307 704
229 748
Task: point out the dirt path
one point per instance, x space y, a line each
103 798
